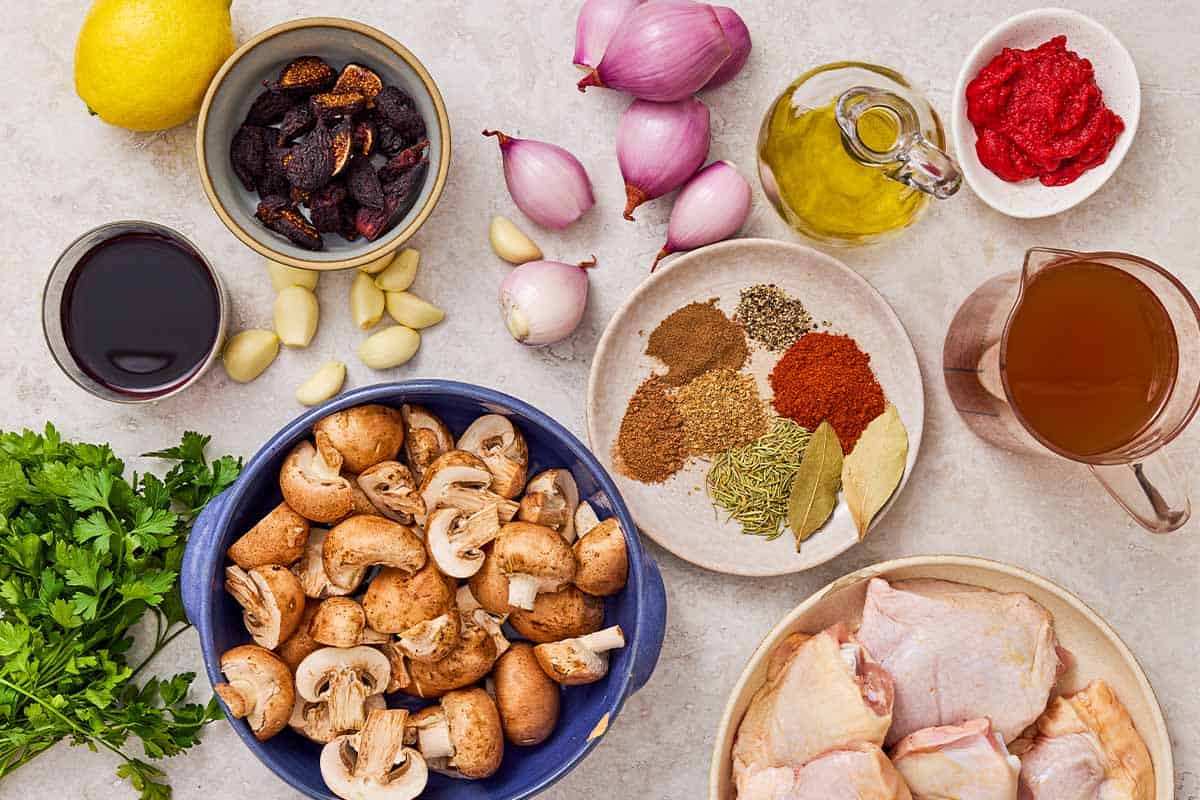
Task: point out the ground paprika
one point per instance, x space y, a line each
826 377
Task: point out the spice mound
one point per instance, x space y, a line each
1039 114
650 445
695 339
771 317
721 409
753 482
825 376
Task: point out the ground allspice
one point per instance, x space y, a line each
650 445
695 339
721 410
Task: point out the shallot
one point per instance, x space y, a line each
542 302
598 20
712 206
738 36
662 51
546 182
659 146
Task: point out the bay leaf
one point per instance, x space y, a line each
815 487
872 471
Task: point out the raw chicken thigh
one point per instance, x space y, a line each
822 693
963 762
958 653
860 773
1086 748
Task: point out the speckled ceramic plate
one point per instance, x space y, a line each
677 513
1096 650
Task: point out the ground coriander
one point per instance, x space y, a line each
721 409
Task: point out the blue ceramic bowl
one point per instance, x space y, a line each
640 609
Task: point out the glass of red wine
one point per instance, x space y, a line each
133 312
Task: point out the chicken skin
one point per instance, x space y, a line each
859 773
964 762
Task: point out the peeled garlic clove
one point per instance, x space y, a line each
296 313
324 384
249 353
390 347
366 301
412 311
379 264
510 242
283 276
401 273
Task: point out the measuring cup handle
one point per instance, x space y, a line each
1151 490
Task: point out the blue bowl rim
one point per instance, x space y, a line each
285 437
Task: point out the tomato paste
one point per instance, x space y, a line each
1039 114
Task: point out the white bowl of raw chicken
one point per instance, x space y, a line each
1095 653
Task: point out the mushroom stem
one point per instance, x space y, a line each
523 590
601 641
433 738
472 499
347 698
478 529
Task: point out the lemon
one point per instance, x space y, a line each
146 64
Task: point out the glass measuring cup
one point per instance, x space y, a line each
1136 472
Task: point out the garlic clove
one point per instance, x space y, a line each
379 264
324 384
366 301
401 273
249 353
412 311
283 276
390 347
296 313
510 242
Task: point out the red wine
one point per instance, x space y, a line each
141 313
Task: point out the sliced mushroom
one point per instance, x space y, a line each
312 721
603 563
490 585
277 538
471 659
527 698
362 503
258 688
495 440
341 622
460 480
585 518
431 640
550 500
300 645
272 602
461 735
395 601
343 679
312 483
470 608
428 437
391 487
310 569
363 541
564 614
455 539
535 559
364 435
374 764
399 662
577 661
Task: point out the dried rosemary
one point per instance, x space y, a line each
753 482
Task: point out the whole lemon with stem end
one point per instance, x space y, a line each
146 64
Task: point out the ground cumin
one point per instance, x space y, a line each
721 410
650 446
695 339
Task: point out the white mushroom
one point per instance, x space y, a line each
572 662
277 538
272 602
392 489
455 539
258 688
364 435
535 559
364 541
374 764
312 721
427 437
470 609
343 679
461 735
341 622
602 558
312 483
310 569
495 440
460 480
550 500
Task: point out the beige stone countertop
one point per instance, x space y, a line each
508 65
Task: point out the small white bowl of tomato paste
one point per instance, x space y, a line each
1045 109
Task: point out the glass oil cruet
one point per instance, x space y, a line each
851 153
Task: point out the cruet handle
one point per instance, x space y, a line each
912 159
1151 490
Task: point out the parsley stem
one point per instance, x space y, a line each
80 731
158 648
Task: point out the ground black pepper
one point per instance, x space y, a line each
771 317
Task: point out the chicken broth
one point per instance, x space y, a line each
1090 357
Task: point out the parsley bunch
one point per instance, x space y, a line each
84 555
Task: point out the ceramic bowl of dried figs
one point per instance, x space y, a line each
323 144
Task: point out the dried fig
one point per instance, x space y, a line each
387 141
397 108
273 180
364 136
282 217
356 78
370 222
343 146
330 106
269 107
298 121
363 183
403 161
248 152
310 163
304 76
